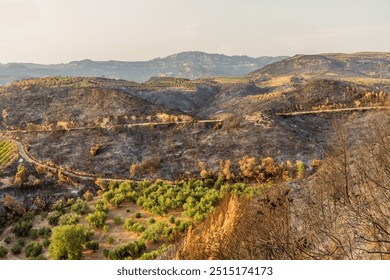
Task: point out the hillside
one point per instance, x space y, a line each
179 147
190 65
172 124
373 65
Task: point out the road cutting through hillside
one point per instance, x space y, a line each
23 152
314 112
73 174
50 129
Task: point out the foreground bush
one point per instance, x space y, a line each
3 251
128 252
33 250
67 242
23 226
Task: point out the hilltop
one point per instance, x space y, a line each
373 65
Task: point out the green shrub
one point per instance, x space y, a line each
131 225
22 227
92 245
117 220
46 242
106 253
171 219
117 200
70 201
58 206
97 219
80 207
33 234
33 250
16 249
44 232
177 222
67 242
150 256
3 251
152 221
100 206
184 226
154 254
138 215
128 224
138 228
128 252
168 233
70 219
21 242
108 195
154 232
110 240
89 233
54 218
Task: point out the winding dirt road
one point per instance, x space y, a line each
314 112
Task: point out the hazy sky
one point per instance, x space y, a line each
54 31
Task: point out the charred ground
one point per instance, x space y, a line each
174 128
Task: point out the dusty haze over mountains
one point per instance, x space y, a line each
47 32
190 65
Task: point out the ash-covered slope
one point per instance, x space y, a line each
166 126
73 101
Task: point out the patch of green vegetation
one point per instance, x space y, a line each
191 200
63 81
67 242
3 251
171 82
128 252
99 216
22 227
231 80
33 250
7 151
154 254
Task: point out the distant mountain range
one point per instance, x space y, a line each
191 65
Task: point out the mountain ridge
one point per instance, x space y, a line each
191 65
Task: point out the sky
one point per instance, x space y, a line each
60 31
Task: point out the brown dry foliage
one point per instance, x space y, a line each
243 229
345 213
13 205
146 167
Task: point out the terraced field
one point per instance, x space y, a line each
7 152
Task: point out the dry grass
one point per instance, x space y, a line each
277 81
368 81
231 80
